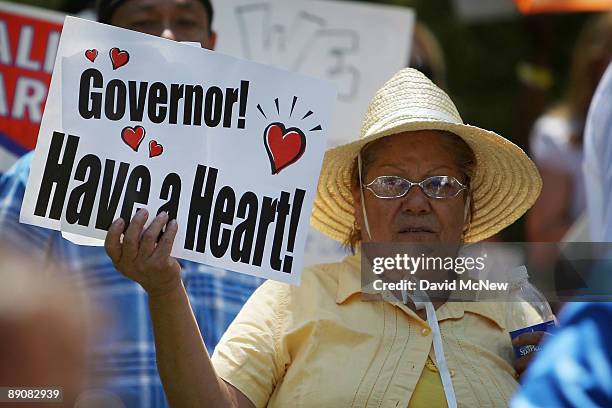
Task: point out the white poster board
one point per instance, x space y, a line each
230 148
357 46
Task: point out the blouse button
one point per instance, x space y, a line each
452 373
425 331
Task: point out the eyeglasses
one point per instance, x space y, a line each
433 187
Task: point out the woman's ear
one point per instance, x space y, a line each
467 215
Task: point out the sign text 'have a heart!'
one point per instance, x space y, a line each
229 149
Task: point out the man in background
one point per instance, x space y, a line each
123 359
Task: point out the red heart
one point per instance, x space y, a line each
119 57
155 149
284 146
91 54
133 136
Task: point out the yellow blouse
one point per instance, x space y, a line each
320 345
429 391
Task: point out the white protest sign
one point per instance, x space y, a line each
356 46
230 148
87 241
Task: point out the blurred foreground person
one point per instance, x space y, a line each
574 369
557 138
319 344
44 328
125 356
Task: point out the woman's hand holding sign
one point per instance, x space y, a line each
188 377
141 256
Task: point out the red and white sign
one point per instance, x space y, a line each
28 44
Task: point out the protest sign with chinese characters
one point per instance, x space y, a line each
357 46
230 148
28 42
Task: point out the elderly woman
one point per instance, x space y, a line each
417 174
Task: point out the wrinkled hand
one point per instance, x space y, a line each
526 339
141 257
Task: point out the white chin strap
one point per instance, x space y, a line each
445 376
432 320
363 205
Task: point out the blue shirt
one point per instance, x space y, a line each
124 355
574 369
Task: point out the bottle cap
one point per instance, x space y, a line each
518 274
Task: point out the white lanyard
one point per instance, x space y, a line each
432 320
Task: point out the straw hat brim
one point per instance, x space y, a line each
505 185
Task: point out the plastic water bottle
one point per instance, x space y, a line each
528 310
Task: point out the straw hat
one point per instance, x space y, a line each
505 185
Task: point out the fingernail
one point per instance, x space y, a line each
141 212
163 214
173 223
119 222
